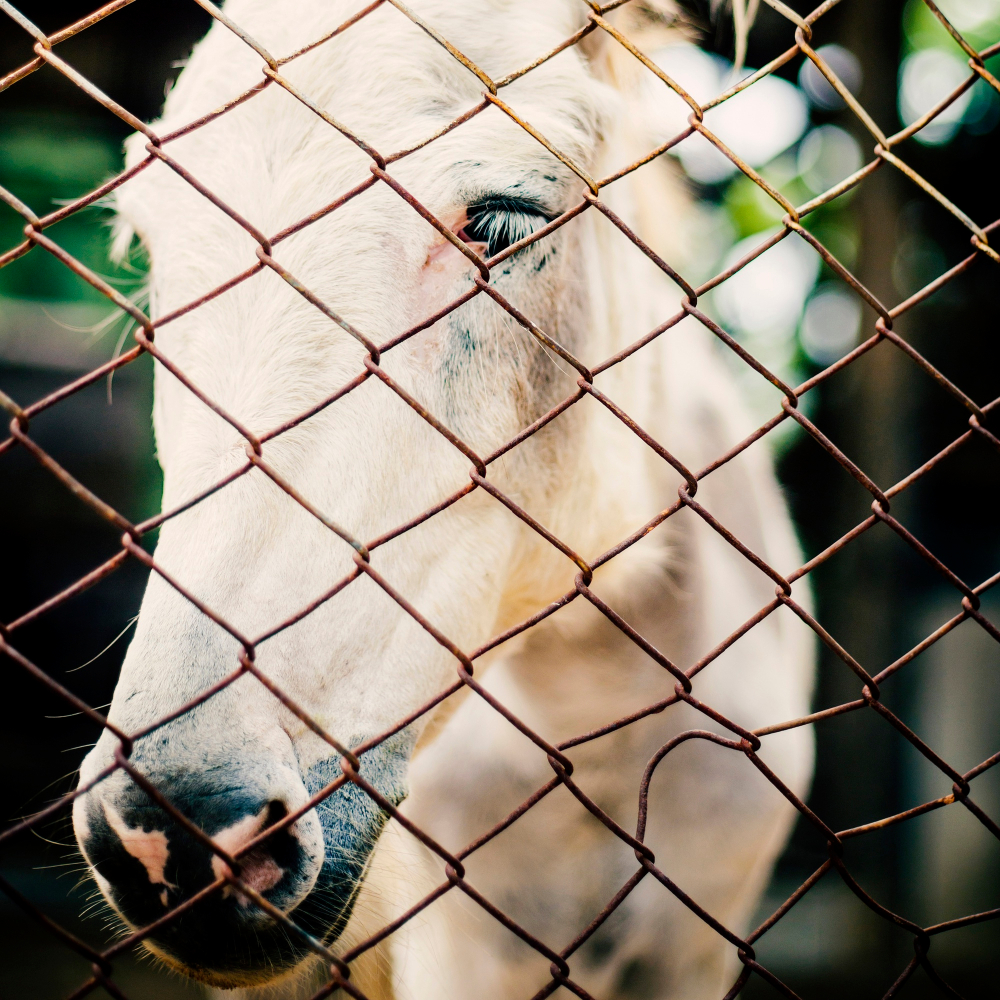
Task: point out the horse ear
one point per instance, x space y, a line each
648 25
651 24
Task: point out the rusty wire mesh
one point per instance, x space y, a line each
869 685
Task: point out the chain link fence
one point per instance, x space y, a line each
870 683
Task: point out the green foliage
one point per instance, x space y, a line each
977 20
47 160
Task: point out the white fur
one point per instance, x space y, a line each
370 463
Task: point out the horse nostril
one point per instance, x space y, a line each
276 812
270 858
259 871
259 867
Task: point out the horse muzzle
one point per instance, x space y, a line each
159 873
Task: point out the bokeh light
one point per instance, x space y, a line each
818 89
757 124
831 323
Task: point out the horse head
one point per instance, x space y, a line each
306 520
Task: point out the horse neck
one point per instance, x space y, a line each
602 480
630 296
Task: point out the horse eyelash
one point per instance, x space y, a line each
499 222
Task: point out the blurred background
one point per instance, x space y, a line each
876 596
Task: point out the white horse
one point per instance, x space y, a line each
359 663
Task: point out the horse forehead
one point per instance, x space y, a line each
384 78
487 31
384 61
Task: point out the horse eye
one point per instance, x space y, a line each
500 222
